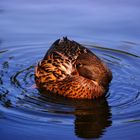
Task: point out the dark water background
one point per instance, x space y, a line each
110 28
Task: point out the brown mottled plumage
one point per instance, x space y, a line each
71 70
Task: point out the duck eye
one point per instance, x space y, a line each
79 65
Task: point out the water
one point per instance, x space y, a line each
109 28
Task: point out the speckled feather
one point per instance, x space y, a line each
57 71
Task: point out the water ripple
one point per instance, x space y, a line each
22 103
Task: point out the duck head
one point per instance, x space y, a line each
71 70
91 67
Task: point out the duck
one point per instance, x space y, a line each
72 70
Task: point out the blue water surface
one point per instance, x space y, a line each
110 28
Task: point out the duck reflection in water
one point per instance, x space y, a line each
92 117
91 121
